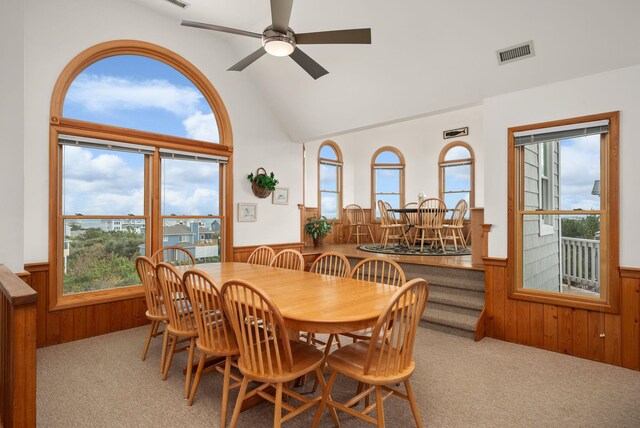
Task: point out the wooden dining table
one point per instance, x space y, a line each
308 301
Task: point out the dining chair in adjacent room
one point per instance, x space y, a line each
266 353
391 228
156 312
181 322
358 224
215 334
411 219
431 212
453 230
174 255
262 255
288 259
384 361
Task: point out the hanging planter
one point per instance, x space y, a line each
262 184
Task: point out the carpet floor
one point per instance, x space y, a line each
101 382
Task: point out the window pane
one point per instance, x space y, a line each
201 236
329 205
567 260
457 177
579 170
137 92
387 157
451 199
328 177
190 187
387 180
102 182
100 253
393 200
457 152
327 152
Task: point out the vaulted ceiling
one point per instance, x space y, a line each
426 56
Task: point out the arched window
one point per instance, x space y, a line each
139 147
387 178
330 180
457 174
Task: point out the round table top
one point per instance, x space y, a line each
308 301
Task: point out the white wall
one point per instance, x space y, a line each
11 136
420 141
599 93
57 31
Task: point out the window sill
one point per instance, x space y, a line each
96 297
561 299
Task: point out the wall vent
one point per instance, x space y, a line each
179 3
515 53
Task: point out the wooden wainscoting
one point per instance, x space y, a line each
54 327
598 336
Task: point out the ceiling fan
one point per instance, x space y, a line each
280 40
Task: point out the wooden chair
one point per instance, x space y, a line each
215 333
181 322
381 271
453 230
381 363
174 255
391 228
266 353
411 219
262 256
156 312
432 212
288 259
357 221
333 264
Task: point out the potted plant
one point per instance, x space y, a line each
317 228
262 184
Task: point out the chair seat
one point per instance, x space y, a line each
232 349
305 359
349 360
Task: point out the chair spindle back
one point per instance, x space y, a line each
152 294
174 255
378 270
331 263
262 256
288 259
175 299
431 212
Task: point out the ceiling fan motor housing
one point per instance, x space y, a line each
277 43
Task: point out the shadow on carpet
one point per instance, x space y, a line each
411 251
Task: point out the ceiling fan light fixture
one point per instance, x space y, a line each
278 44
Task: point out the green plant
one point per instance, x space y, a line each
265 181
316 227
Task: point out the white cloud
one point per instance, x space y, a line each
580 167
98 93
201 126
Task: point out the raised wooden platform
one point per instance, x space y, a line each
351 250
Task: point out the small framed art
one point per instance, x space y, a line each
280 196
247 212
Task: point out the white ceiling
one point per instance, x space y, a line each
426 55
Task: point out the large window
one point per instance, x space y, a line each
387 178
139 160
330 180
563 186
457 174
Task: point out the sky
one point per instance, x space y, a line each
579 168
163 100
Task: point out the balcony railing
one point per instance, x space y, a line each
581 263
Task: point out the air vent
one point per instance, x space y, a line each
514 53
179 3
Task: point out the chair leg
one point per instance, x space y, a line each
325 396
167 364
277 415
187 381
239 400
165 342
350 232
412 402
379 408
440 236
148 341
225 392
371 234
196 380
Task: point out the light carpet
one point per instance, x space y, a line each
101 382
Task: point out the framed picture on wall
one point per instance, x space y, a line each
280 196
247 212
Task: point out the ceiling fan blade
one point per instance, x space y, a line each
219 28
280 14
314 69
356 36
248 60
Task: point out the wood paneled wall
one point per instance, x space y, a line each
598 336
